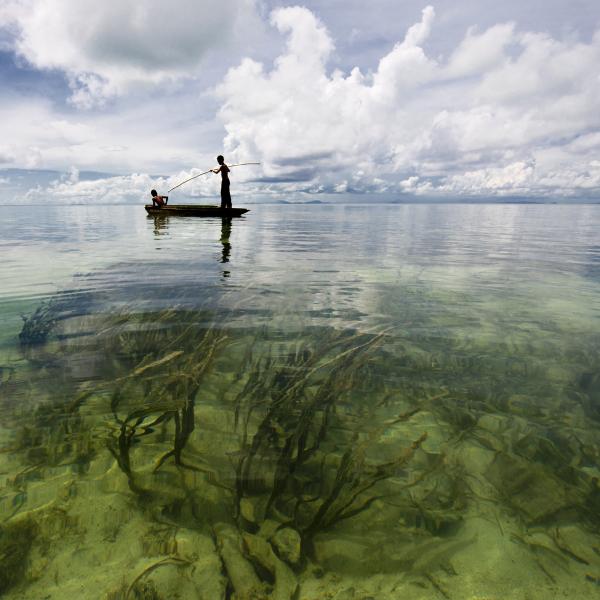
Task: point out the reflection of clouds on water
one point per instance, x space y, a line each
385 237
592 268
326 260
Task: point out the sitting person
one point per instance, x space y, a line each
158 201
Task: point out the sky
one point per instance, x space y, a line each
389 100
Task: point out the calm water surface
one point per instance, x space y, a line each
319 401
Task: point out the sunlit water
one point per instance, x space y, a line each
345 401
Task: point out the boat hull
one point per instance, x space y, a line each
194 210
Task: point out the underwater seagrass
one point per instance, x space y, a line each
283 413
276 442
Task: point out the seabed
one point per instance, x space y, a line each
184 453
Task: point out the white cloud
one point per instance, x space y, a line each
6 154
71 188
107 47
142 137
484 120
110 190
480 52
504 111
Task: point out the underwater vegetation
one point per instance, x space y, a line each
15 542
214 459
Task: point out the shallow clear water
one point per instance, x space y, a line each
344 401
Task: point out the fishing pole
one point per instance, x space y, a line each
205 172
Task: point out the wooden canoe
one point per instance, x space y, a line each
194 210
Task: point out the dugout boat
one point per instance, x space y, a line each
194 210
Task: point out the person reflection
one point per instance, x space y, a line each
161 225
225 233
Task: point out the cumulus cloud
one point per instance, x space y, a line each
137 137
507 112
6 154
71 188
106 47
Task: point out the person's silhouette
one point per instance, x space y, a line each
225 193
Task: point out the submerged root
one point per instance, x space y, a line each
259 550
243 578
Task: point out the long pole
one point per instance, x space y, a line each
205 172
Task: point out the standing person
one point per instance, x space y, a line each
225 194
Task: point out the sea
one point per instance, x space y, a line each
312 401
